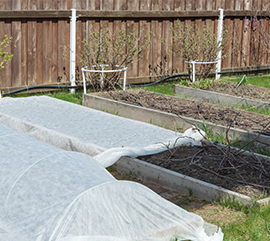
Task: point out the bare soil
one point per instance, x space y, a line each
216 164
216 114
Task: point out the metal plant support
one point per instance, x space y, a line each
199 62
102 71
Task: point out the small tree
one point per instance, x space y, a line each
106 48
5 57
191 44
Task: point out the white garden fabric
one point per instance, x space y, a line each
77 128
49 194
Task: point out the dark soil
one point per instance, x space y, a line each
218 165
221 166
216 114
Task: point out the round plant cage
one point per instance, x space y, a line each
200 62
120 68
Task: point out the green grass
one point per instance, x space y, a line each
257 80
254 226
59 94
163 87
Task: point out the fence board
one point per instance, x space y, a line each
146 26
54 62
133 5
246 40
178 63
63 42
24 59
32 50
40 38
156 49
16 29
166 50
47 52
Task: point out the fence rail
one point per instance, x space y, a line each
28 14
40 31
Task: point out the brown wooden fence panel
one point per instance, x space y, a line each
40 31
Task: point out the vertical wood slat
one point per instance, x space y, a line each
246 39
38 59
133 5
157 62
47 51
8 31
166 50
16 32
3 27
24 59
63 42
146 27
32 50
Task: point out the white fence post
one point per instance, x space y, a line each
219 40
72 51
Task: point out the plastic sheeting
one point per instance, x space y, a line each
50 194
77 128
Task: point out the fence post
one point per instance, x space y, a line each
72 51
219 40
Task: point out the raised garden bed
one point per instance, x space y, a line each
176 181
173 112
150 171
223 98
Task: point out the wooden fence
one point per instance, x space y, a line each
40 31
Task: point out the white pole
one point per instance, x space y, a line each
193 71
125 79
219 40
72 51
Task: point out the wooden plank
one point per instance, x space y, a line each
24 59
178 62
120 5
2 35
166 35
47 52
226 63
63 50
189 5
39 5
54 61
179 5
146 54
157 62
91 4
8 68
237 40
78 4
47 4
32 49
97 4
221 4
31 46
229 4
133 5
142 14
246 40
168 5
199 5
16 47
